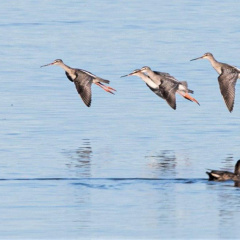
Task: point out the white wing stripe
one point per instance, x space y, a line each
88 73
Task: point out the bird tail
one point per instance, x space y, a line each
190 91
211 177
184 83
103 80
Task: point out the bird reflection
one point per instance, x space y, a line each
228 162
228 204
81 159
164 162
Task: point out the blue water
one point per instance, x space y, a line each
129 167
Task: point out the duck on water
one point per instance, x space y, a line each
218 175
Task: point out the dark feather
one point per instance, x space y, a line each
164 74
167 91
216 175
83 84
103 80
68 76
227 81
219 175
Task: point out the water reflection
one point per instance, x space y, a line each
164 162
229 163
226 198
228 207
80 159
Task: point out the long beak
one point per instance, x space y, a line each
47 64
131 73
126 75
196 58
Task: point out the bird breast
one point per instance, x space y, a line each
72 76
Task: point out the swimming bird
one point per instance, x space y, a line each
217 175
164 85
83 81
227 79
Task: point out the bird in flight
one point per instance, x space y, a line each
83 81
164 85
227 78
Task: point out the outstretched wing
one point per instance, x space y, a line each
227 81
83 83
167 90
163 74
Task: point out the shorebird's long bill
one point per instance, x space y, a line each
47 64
136 71
196 58
126 75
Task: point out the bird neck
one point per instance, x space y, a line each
147 80
65 67
237 168
151 74
215 64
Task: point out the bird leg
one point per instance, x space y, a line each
188 97
106 88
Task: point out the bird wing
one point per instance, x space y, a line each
166 90
220 172
162 73
227 81
233 67
156 91
83 84
96 78
88 73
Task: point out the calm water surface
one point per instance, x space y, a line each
129 167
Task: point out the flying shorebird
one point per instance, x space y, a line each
164 85
83 81
227 79
218 175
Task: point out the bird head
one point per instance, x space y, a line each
145 69
55 62
206 55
